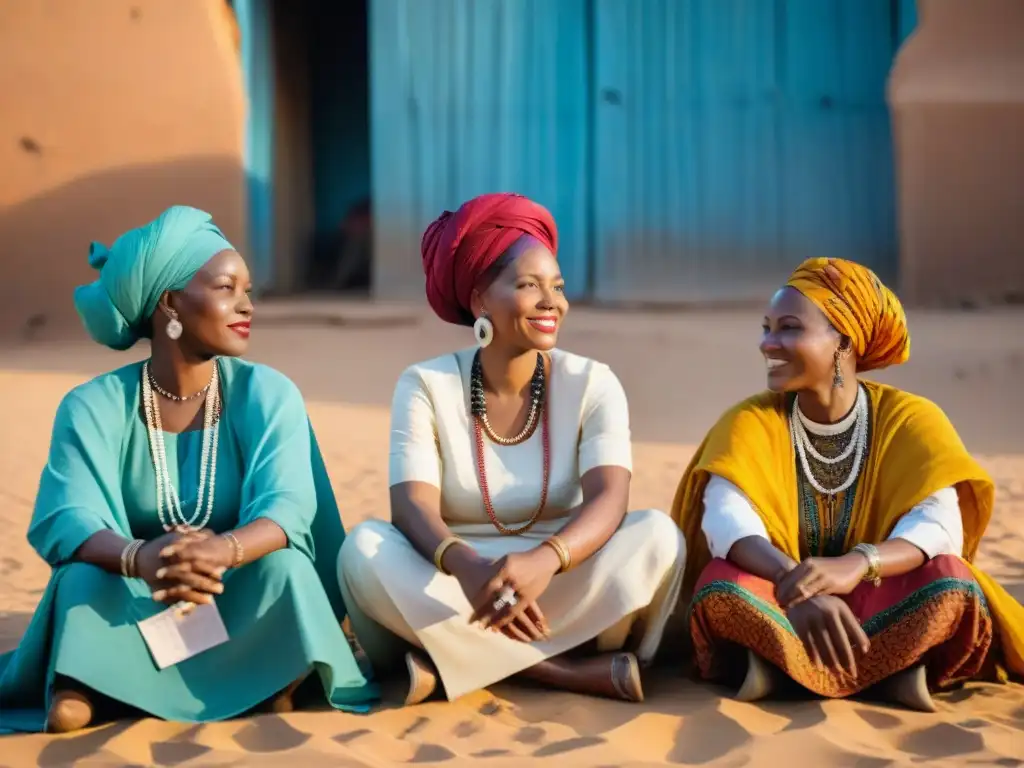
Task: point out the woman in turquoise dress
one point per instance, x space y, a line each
190 479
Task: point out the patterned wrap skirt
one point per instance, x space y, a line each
935 615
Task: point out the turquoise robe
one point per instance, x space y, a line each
283 612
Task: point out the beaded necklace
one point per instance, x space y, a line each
481 426
830 458
166 495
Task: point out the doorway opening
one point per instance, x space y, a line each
322 228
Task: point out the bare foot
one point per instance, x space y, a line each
284 701
760 679
70 711
422 678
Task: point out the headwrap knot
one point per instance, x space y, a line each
98 255
143 263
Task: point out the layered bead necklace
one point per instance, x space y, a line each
849 439
538 414
166 496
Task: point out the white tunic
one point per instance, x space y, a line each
633 580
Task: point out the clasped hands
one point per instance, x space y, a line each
504 592
185 566
826 625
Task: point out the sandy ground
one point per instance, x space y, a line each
680 370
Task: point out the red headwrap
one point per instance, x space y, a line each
460 247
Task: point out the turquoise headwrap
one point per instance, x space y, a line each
139 267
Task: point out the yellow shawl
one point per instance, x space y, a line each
915 451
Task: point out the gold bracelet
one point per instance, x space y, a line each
562 550
239 549
443 547
129 556
874 572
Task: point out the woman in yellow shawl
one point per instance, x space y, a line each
832 522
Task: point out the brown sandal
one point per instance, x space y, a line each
69 711
422 679
626 677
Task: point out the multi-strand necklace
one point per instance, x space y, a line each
538 414
166 496
834 469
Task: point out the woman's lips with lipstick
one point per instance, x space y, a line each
544 324
242 329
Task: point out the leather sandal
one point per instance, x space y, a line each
760 679
422 679
69 711
909 688
626 677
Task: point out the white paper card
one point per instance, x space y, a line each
173 638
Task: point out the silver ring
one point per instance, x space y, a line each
507 596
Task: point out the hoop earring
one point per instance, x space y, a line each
483 331
173 328
837 377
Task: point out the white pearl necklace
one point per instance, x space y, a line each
166 495
799 426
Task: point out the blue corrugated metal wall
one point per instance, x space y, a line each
690 149
836 162
686 144
254 24
474 96
735 138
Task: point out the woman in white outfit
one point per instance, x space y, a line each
510 551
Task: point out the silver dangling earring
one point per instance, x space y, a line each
837 378
483 330
174 328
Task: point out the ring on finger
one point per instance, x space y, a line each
507 596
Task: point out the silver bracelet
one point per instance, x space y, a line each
129 558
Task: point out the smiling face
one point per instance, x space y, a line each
798 343
214 309
526 300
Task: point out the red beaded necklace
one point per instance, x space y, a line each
478 432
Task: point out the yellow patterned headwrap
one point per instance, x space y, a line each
859 306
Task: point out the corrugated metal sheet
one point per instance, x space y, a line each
254 24
736 137
838 185
473 96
